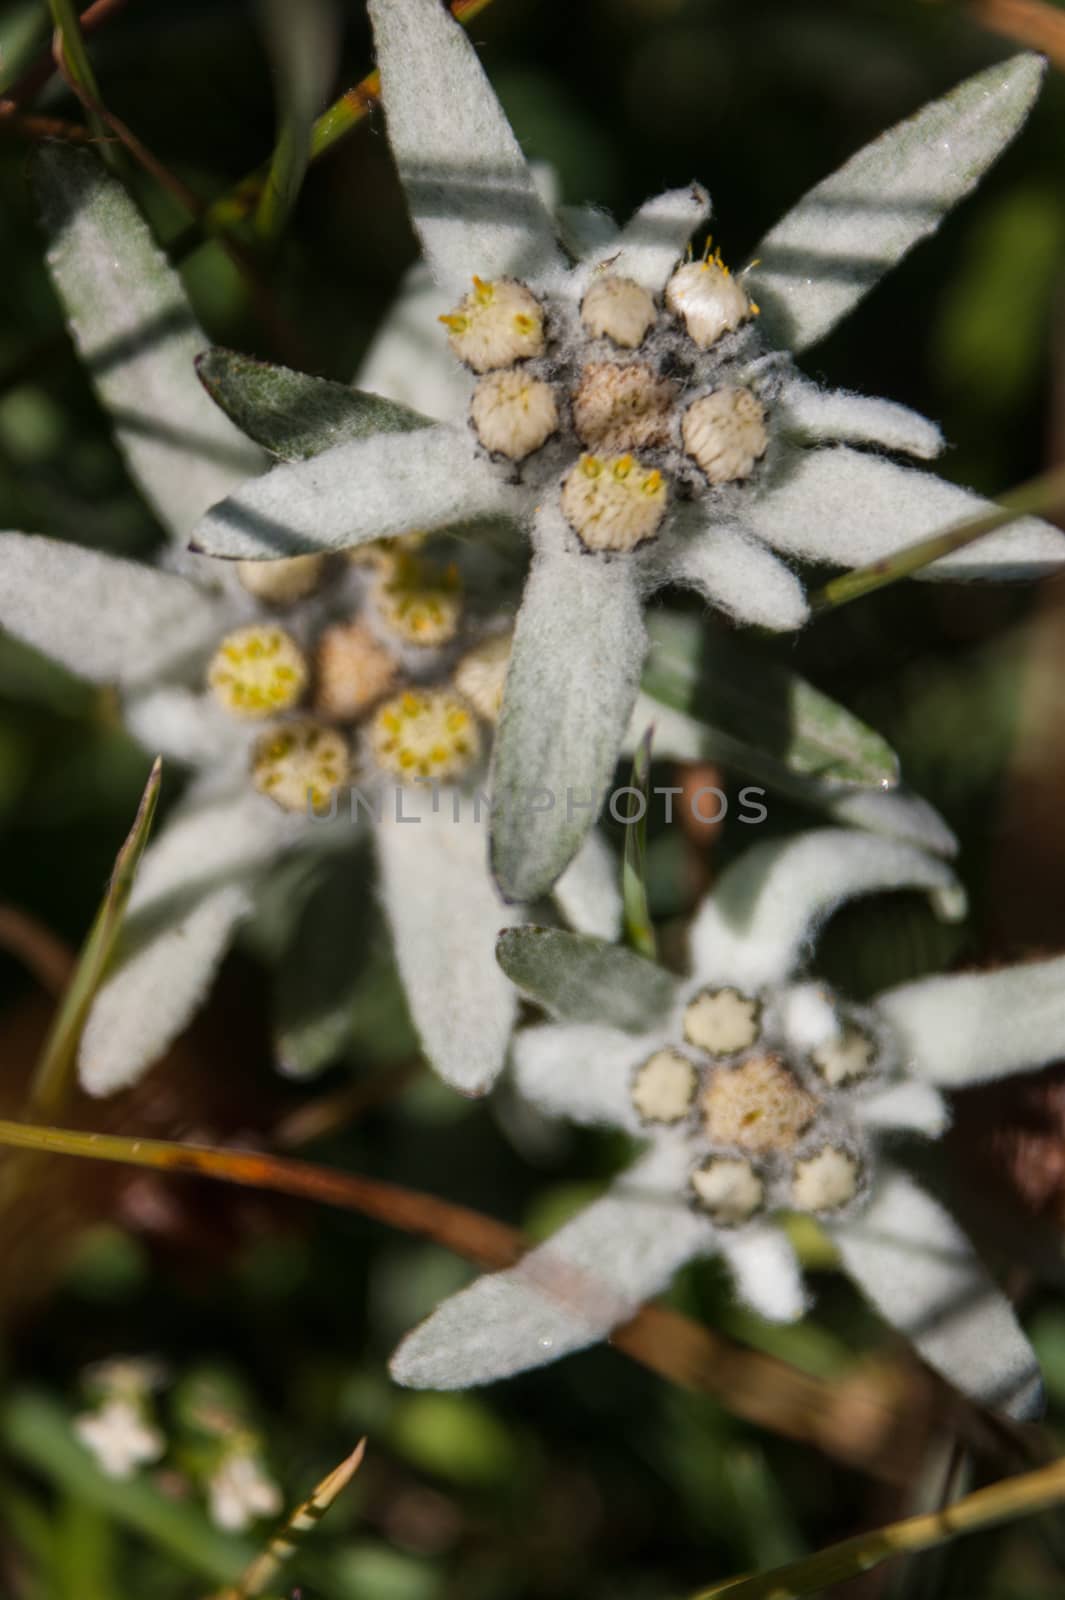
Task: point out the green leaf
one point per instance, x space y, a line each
37 1432
302 41
766 715
585 980
55 1069
638 924
292 414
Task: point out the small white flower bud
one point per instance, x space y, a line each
708 299
280 583
513 414
497 325
621 408
722 1021
725 434
120 1436
845 1058
239 1491
728 1189
425 733
257 671
757 1106
618 309
613 503
353 669
663 1088
300 765
481 675
824 1182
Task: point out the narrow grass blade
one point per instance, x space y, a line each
55 1069
75 56
334 124
760 1388
1039 496
1012 1497
639 928
302 41
284 1544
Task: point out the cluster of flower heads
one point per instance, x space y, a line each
212 1440
397 687
641 388
768 1100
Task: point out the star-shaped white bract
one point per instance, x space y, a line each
270 684
638 416
758 1090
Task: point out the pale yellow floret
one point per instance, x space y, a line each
725 434
845 1058
618 309
824 1182
281 583
614 503
481 674
425 733
728 1189
722 1021
758 1106
708 299
418 601
353 669
496 325
620 408
257 671
300 765
513 414
663 1088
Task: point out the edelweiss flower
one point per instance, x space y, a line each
119 1431
281 685
240 1490
636 412
758 1092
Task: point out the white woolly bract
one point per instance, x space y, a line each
842 236
137 336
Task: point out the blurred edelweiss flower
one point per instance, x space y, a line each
287 687
760 1091
240 1490
119 1430
636 412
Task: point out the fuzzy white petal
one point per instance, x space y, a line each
192 890
582 1071
571 684
851 509
586 230
837 415
736 573
364 489
652 241
184 725
914 1106
980 1025
897 812
589 1277
916 1266
409 359
136 333
588 894
840 239
765 1272
471 194
763 913
107 619
445 914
